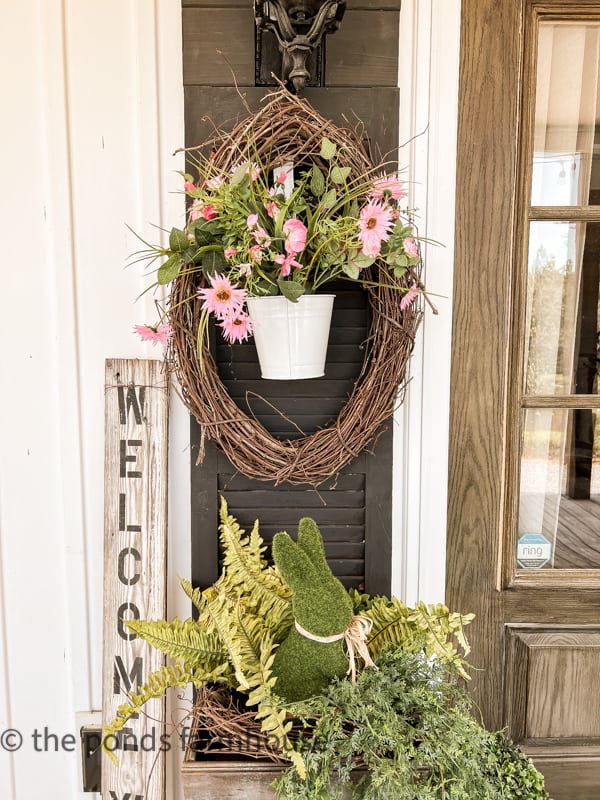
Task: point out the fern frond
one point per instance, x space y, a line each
246 574
428 628
186 641
157 684
252 651
196 595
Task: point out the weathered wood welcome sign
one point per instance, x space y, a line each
135 533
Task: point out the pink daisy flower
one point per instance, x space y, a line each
155 333
222 297
253 171
388 186
408 299
237 326
375 223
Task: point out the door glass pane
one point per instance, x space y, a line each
559 509
567 110
562 326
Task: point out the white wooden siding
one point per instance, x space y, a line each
91 111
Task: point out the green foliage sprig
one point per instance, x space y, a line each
403 732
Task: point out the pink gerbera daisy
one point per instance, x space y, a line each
236 325
375 223
388 186
222 297
408 299
160 333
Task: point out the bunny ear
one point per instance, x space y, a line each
295 566
311 542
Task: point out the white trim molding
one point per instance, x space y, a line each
428 66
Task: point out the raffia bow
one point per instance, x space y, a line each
355 637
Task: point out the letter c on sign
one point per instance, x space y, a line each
135 614
128 580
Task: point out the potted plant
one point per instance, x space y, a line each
347 695
268 228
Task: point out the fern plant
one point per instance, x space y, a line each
247 613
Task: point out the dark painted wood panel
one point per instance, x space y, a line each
207 108
229 30
364 51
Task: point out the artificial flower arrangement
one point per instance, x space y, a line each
264 228
354 693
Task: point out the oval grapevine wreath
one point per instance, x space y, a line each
342 218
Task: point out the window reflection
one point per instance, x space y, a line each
563 309
567 114
560 489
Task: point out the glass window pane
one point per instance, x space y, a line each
567 110
562 327
559 506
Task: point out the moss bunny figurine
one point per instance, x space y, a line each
322 608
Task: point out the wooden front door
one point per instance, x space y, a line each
524 484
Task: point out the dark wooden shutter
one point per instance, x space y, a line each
345 507
359 83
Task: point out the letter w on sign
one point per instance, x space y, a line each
135 539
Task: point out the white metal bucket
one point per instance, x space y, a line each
291 338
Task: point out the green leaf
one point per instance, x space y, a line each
178 241
363 261
340 174
328 149
351 270
239 174
317 181
329 199
399 271
212 262
290 289
169 270
204 231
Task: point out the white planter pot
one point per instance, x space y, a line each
291 338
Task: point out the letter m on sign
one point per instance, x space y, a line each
121 676
126 796
136 413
